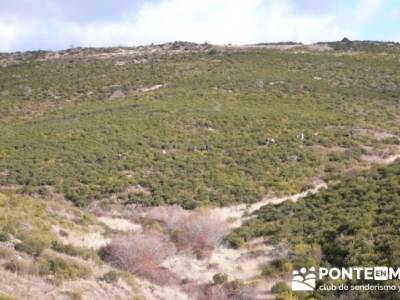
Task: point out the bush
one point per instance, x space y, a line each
141 254
33 243
279 287
220 278
4 236
6 252
169 216
200 230
75 294
286 296
63 268
235 240
278 267
111 276
215 292
75 251
22 266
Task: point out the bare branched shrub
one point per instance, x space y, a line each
227 291
169 216
243 294
215 292
201 230
192 289
142 255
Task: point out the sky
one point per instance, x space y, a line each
59 24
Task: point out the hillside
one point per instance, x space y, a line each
166 171
192 125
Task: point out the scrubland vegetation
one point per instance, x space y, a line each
193 233
204 137
158 137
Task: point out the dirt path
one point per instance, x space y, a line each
236 215
375 159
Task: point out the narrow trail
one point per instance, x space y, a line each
236 215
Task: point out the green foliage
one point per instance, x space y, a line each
63 268
111 276
4 236
279 287
278 268
27 220
34 242
220 278
22 266
75 251
202 137
286 296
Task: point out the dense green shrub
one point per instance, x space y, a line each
34 242
220 278
279 287
63 268
75 251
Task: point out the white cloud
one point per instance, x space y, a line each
234 21
217 21
12 30
368 8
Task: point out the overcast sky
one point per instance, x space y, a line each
58 24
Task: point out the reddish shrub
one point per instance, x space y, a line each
169 216
227 291
141 254
201 230
244 294
215 292
98 212
192 289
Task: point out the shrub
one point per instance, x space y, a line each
278 267
215 292
4 236
220 278
234 290
235 240
111 276
33 243
279 287
201 230
236 285
141 254
169 216
75 251
6 252
75 294
22 266
63 268
286 296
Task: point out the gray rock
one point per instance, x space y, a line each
117 94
